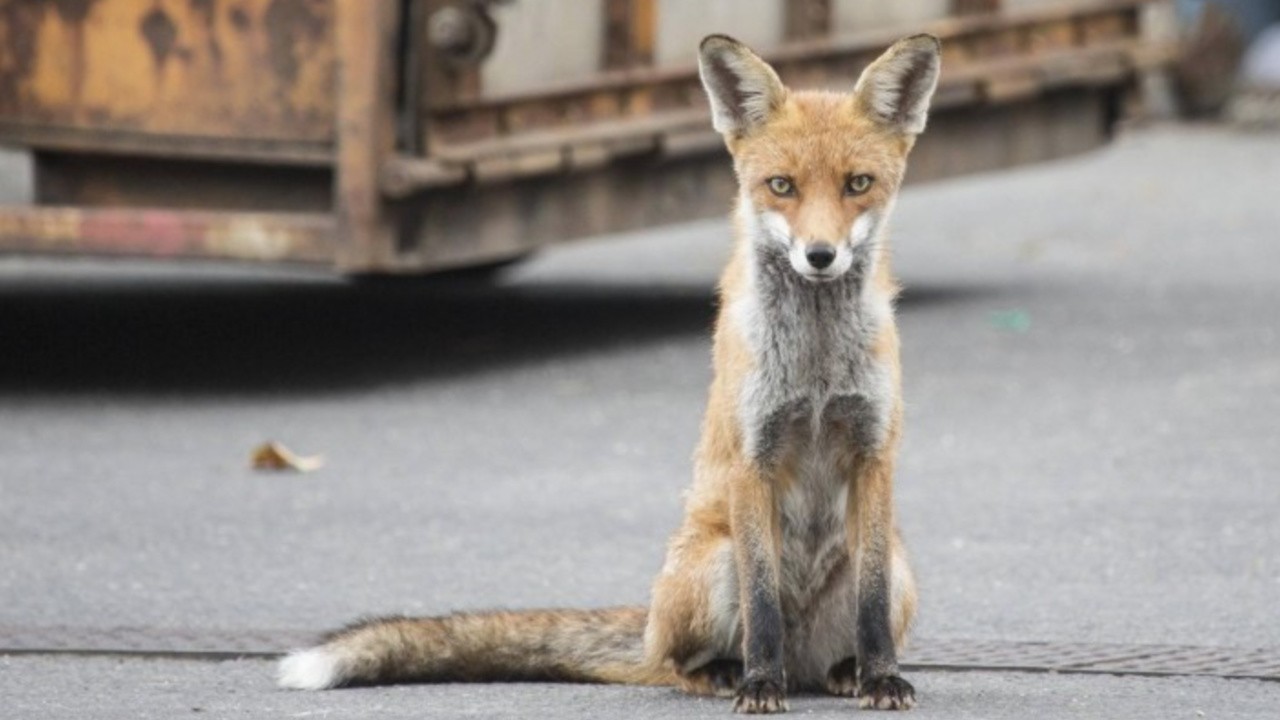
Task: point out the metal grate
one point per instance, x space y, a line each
958 655
1104 658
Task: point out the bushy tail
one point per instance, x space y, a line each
605 646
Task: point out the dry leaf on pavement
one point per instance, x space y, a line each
277 457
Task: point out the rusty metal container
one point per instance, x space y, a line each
418 135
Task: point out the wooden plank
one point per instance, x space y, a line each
366 131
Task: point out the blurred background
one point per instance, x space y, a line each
458 257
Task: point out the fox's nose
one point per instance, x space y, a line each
820 255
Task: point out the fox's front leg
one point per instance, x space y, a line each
871 534
754 520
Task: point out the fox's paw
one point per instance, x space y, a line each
761 696
720 678
888 692
842 679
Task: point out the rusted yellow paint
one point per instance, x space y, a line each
269 237
256 69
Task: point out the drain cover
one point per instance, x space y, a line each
1114 659
1066 657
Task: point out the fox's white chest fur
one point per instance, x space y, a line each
811 343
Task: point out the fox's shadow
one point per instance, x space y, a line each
198 335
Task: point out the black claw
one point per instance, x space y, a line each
842 679
888 692
724 676
760 696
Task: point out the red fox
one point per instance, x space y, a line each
787 573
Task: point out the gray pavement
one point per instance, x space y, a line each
129 689
1092 359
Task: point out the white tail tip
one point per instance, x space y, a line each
314 669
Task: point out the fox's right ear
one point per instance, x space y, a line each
743 90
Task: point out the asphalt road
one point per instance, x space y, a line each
1092 359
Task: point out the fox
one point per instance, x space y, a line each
788 573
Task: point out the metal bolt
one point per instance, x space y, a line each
463 34
452 30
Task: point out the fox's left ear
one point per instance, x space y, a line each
897 87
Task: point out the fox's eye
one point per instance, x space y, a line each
781 186
857 184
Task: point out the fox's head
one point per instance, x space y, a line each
818 171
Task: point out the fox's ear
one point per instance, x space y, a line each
743 89
896 88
